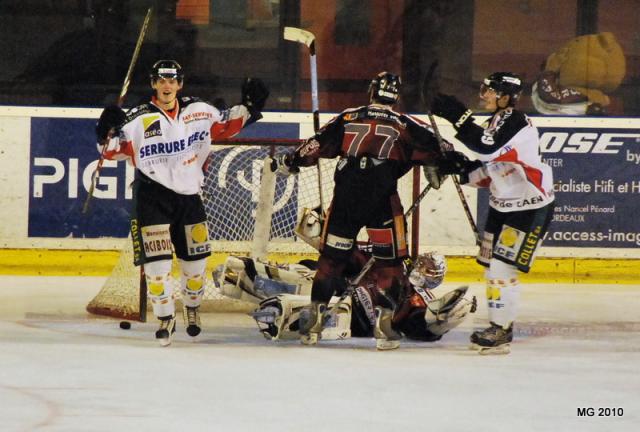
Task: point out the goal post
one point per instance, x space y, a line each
250 212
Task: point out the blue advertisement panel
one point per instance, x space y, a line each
63 158
597 185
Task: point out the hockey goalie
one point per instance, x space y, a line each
283 290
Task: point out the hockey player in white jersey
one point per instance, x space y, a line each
167 140
521 195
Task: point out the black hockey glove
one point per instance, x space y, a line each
283 164
220 104
456 163
111 118
450 108
254 96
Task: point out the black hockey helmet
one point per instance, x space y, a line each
166 69
503 83
385 88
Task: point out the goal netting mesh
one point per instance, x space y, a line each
250 211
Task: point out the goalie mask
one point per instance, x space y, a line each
166 69
503 83
428 270
385 88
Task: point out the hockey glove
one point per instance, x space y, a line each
451 109
254 96
111 118
457 163
282 164
433 175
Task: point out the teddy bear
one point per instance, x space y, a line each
578 78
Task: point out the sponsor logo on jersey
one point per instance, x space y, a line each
341 243
156 240
197 236
509 243
171 147
527 252
196 116
151 126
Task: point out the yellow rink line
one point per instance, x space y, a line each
49 262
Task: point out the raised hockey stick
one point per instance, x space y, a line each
463 200
123 93
307 38
428 84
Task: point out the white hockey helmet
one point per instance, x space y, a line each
428 270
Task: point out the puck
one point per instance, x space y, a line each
125 325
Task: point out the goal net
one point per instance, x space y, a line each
250 211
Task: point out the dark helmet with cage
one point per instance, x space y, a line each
166 69
385 88
503 83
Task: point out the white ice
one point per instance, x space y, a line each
61 369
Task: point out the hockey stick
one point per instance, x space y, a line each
456 182
123 93
427 85
307 38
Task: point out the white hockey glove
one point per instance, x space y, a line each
282 164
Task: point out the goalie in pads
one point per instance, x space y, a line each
418 313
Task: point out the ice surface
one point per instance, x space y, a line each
62 369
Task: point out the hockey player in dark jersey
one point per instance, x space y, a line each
376 146
167 140
521 195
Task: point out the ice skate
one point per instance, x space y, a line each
311 329
191 317
166 330
492 340
386 337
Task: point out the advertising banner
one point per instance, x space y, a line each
597 186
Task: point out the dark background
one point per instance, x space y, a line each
76 52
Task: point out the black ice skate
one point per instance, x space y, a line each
311 329
166 330
191 317
386 337
492 340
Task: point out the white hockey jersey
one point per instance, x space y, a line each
512 167
172 150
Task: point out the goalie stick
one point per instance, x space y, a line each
123 93
307 38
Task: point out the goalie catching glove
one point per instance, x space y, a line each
282 164
111 118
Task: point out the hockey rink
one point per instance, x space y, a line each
577 348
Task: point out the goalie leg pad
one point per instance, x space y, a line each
193 281
281 317
158 278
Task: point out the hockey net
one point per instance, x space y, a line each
250 211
